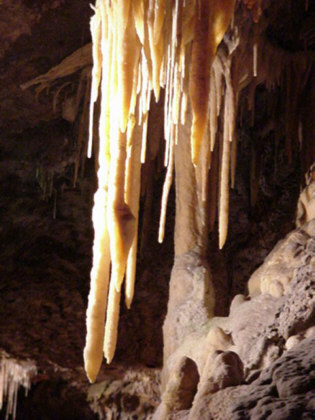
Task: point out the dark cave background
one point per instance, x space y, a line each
45 221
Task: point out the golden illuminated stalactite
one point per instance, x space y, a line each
128 50
112 318
80 160
140 46
211 23
224 190
213 116
159 13
132 196
95 318
255 54
204 166
227 139
201 60
93 352
121 221
213 186
233 161
97 302
96 32
166 189
155 27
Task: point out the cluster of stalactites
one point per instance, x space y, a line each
13 375
140 46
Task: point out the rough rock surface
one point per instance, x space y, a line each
258 363
283 391
277 270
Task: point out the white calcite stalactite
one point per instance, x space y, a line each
13 375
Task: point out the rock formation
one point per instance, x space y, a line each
222 320
265 331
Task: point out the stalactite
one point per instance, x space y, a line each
166 189
255 48
112 318
81 146
13 375
132 196
139 47
204 166
213 116
97 302
233 162
213 186
158 44
253 178
96 32
224 179
210 26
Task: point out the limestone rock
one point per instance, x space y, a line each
284 391
224 370
247 324
267 339
277 271
306 204
297 311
